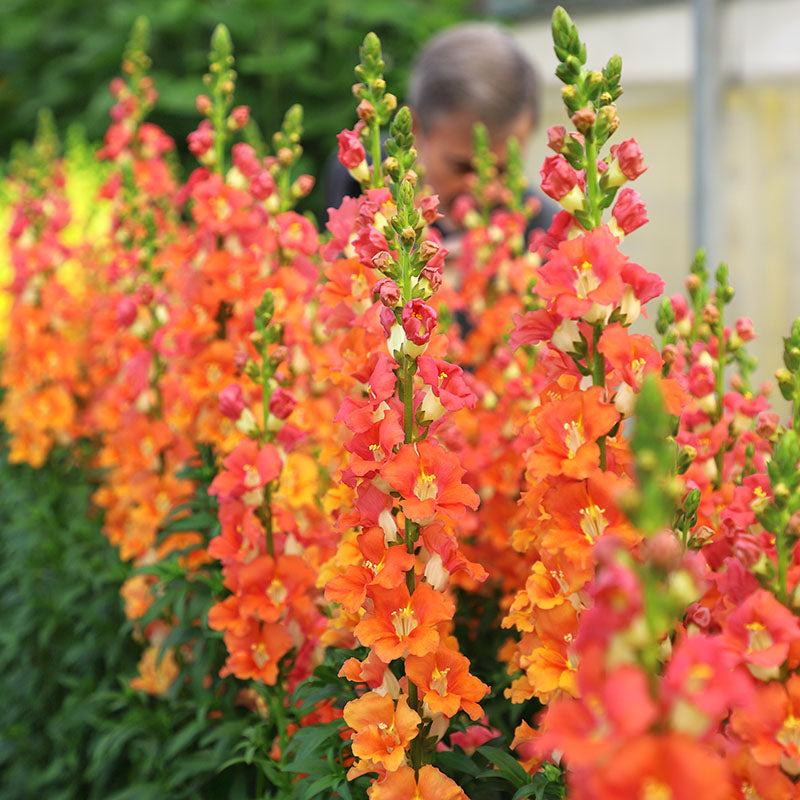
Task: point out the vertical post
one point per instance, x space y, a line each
707 130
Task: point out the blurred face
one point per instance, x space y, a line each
445 152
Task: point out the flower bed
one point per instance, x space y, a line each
480 542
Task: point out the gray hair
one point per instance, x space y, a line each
475 67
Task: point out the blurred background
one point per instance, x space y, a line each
712 93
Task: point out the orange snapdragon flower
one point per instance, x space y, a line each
569 429
445 683
402 623
382 731
402 785
429 479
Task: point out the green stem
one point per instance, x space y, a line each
720 390
266 394
599 379
219 132
592 184
781 545
376 154
283 188
268 519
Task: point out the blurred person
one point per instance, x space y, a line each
473 72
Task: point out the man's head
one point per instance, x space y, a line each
470 73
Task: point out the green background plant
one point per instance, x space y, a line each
63 53
70 727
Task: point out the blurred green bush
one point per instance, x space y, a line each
63 53
70 726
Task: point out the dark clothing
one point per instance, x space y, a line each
339 183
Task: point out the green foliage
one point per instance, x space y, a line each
652 507
70 727
64 53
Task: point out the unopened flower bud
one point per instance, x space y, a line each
701 536
607 121
555 137
239 361
279 354
408 233
569 94
146 294
669 353
793 525
240 116
388 292
747 549
231 401
391 165
664 549
126 312
693 282
428 250
781 492
583 119
686 456
389 102
382 261
710 314
285 156
412 177
378 85
302 186
699 615
365 110
785 382
252 370
767 423
203 104
745 329
282 403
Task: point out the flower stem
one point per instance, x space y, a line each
599 379
592 186
376 155
720 389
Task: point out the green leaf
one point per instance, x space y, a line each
507 766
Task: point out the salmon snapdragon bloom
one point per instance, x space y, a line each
762 630
381 566
248 469
256 654
445 683
583 277
569 429
404 623
429 479
382 731
402 785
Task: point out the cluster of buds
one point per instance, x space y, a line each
208 142
375 109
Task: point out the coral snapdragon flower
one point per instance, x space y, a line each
247 470
381 566
569 429
402 623
382 731
402 785
428 478
584 275
445 683
761 630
